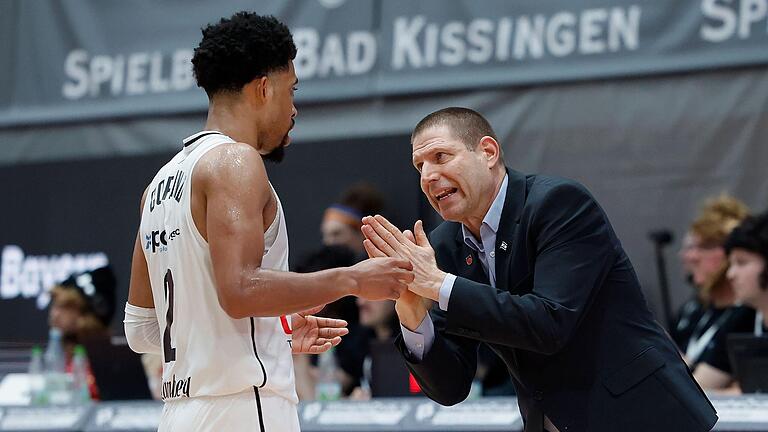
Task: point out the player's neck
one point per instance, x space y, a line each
227 118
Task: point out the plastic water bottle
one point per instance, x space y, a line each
37 394
328 386
81 394
56 379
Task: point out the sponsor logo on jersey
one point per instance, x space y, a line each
158 241
175 389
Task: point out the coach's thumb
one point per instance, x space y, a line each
409 235
421 236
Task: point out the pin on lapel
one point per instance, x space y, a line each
469 259
503 245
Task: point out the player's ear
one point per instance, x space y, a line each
258 90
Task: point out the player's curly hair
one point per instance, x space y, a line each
239 49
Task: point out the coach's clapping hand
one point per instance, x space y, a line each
385 237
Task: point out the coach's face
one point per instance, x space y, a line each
458 182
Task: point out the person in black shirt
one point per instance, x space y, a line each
707 328
747 248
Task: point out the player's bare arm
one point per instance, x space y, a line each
232 183
140 290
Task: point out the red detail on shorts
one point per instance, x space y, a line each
286 327
413 386
469 259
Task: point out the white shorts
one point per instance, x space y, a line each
250 411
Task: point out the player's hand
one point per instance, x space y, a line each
314 335
381 278
384 238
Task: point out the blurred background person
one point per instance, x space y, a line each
82 307
348 358
342 247
342 220
747 248
705 348
691 311
379 327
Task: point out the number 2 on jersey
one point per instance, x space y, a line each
169 353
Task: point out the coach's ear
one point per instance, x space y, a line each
490 149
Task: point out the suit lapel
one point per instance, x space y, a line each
507 235
466 261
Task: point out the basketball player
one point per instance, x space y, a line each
210 290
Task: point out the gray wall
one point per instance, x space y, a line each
650 148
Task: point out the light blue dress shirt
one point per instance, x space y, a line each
420 341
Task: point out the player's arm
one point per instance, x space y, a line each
236 190
141 327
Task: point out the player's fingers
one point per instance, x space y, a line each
399 288
320 348
409 235
403 264
332 333
330 322
335 341
405 275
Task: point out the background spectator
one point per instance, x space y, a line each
705 349
82 307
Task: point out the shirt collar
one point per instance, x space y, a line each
491 219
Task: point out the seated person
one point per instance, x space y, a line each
342 221
705 351
691 311
82 308
348 357
747 248
380 327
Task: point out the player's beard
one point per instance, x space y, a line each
278 153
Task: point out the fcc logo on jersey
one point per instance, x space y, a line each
158 241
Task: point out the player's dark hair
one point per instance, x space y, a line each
239 49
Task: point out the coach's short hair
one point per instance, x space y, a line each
467 125
239 49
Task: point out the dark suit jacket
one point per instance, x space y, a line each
567 317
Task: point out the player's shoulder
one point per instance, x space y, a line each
234 154
232 162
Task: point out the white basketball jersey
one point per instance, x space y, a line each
206 352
